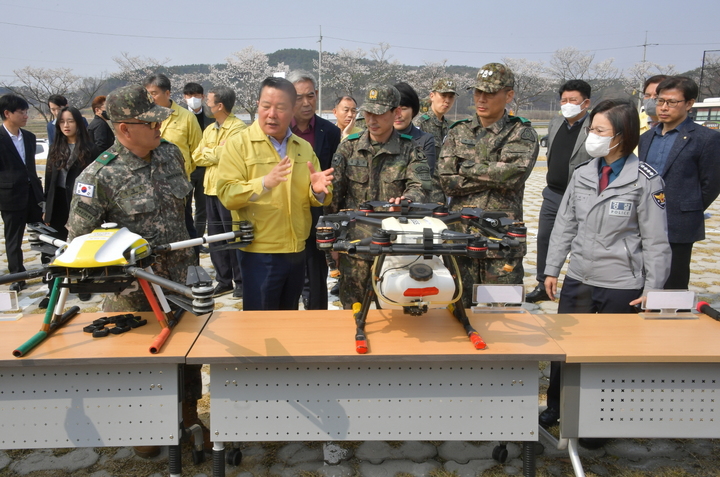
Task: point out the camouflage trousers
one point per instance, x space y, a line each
354 276
489 271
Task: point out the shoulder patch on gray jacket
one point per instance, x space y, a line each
647 170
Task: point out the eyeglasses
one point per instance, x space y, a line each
151 125
672 103
597 131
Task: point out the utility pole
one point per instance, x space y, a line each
320 75
641 93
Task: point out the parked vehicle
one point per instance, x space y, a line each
42 146
707 113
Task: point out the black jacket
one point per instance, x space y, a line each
17 180
327 139
102 133
692 178
52 175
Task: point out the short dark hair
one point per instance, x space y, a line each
193 88
340 99
98 102
578 85
408 97
654 79
625 121
159 80
687 85
12 103
225 96
279 83
58 99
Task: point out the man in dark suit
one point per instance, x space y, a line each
324 137
687 156
565 151
20 189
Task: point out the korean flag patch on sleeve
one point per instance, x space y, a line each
85 190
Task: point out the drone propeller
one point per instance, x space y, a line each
372 204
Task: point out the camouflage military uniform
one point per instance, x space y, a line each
487 168
147 198
365 171
429 123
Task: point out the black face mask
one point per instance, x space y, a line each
104 115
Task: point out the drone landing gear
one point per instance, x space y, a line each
360 312
54 317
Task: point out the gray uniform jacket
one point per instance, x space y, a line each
617 239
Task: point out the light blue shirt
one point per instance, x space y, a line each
281 147
19 143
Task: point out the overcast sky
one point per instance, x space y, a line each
85 35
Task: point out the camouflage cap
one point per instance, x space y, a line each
493 77
444 85
134 102
381 99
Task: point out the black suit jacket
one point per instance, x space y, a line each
17 180
327 140
692 178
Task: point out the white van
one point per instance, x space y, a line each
707 113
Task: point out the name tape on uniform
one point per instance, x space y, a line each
621 209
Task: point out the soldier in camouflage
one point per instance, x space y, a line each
377 164
139 183
433 121
484 163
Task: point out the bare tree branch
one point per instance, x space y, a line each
244 72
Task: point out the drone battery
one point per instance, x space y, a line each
100 333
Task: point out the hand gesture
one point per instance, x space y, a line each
348 128
279 173
320 180
396 200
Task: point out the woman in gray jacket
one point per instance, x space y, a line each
612 221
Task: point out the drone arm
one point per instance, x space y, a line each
22 276
199 241
163 282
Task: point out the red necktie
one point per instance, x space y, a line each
605 178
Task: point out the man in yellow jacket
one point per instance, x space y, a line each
220 102
271 177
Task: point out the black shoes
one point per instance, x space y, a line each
538 294
221 289
44 302
238 292
335 290
17 286
549 417
85 296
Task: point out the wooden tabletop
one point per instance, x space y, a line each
318 336
620 338
70 344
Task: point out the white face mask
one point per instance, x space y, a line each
193 102
599 146
570 110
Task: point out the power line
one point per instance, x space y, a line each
153 37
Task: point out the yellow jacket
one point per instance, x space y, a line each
207 153
281 216
183 130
